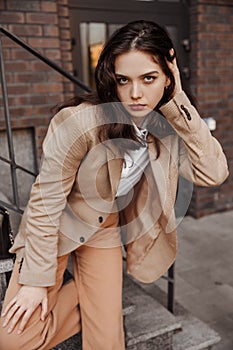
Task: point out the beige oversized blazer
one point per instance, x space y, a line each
76 188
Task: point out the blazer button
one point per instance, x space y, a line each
20 264
101 219
82 239
186 112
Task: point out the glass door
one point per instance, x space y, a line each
92 38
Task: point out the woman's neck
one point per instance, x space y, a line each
138 121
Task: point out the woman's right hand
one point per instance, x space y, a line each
22 306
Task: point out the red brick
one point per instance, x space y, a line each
27 121
68 96
46 110
30 100
63 11
47 87
31 76
6 42
64 23
11 17
211 77
15 66
18 89
44 42
55 77
9 79
68 66
26 30
40 66
23 5
21 54
6 54
68 87
51 31
65 44
66 56
48 6
21 111
41 18
63 2
65 34
53 54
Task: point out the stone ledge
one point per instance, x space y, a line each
195 335
149 322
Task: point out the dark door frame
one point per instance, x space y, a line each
166 13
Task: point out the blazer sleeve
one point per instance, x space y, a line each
63 149
201 157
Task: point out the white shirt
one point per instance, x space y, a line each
135 162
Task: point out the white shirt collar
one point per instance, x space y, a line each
140 132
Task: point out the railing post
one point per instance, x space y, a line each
8 128
171 288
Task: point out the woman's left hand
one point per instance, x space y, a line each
23 305
176 73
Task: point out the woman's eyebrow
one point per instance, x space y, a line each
142 75
149 73
120 75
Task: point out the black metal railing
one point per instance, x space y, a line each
12 162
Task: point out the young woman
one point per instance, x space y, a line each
108 179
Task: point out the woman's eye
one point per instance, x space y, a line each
149 79
122 81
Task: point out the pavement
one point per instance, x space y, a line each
204 272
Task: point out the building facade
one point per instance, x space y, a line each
71 32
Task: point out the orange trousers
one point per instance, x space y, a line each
91 303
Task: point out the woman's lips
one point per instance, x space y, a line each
137 107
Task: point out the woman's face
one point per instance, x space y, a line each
140 83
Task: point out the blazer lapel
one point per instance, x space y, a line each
115 164
161 171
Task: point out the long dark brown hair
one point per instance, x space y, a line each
144 36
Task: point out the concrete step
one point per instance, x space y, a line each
150 325
195 335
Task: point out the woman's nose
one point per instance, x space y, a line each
136 91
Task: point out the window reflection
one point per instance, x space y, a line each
93 37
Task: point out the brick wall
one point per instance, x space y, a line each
33 87
212 83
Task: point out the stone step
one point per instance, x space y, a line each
150 325
195 335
